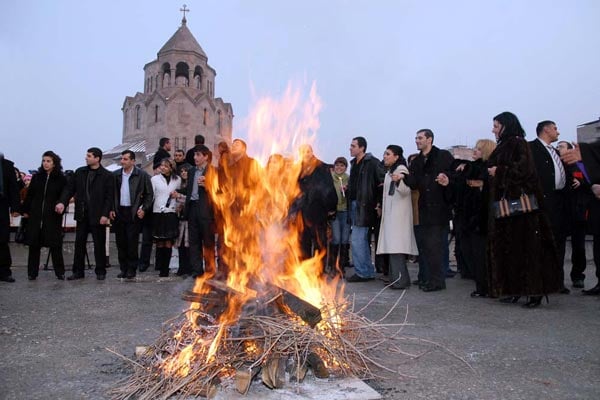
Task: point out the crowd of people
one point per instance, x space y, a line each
511 209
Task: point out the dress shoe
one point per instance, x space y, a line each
578 284
564 290
534 301
478 294
32 277
74 277
7 279
163 274
130 275
101 277
399 287
450 274
432 288
357 278
122 275
595 291
143 267
60 277
509 299
416 282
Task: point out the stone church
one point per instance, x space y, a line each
178 102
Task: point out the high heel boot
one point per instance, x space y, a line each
535 301
509 299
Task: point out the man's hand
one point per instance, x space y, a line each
571 156
112 215
492 171
104 220
442 179
140 213
60 207
596 190
576 183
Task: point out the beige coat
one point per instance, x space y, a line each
396 234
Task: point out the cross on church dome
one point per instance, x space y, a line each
184 10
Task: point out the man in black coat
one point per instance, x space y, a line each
164 147
200 214
556 181
9 204
189 156
133 199
317 199
430 170
364 195
93 188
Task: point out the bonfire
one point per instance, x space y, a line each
274 316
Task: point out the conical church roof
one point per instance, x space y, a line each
182 40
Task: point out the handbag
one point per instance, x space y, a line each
504 207
21 231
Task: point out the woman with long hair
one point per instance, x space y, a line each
522 257
44 226
165 222
396 234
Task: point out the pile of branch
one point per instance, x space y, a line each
270 347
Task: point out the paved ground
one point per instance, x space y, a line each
53 336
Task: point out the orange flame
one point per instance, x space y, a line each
252 200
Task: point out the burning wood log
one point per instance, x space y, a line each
273 373
243 378
317 365
289 302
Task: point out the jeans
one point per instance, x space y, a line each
340 229
361 252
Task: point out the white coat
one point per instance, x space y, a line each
162 191
396 235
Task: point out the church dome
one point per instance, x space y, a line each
182 40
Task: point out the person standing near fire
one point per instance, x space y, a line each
317 199
9 204
364 195
200 215
340 228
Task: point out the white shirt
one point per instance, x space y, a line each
125 196
559 171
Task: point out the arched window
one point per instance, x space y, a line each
151 83
198 77
205 117
184 143
219 118
166 74
138 117
182 74
156 113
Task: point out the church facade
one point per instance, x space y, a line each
178 102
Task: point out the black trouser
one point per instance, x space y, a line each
382 261
433 244
5 261
127 235
578 251
147 241
313 239
33 260
561 241
202 241
472 247
98 232
597 255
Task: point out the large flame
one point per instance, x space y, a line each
260 236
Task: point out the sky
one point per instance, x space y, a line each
383 69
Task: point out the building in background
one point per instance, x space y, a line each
178 102
588 132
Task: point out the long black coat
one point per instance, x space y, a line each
522 256
99 203
9 199
318 196
434 199
44 227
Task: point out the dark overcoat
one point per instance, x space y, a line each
97 202
369 175
522 256
318 196
44 226
9 198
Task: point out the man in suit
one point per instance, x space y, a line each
200 214
9 204
93 187
555 181
189 156
430 170
164 147
133 198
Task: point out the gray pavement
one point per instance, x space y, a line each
53 336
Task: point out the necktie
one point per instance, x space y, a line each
561 170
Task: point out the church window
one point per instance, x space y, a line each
156 113
219 118
182 74
177 143
151 83
138 117
205 117
166 74
184 143
198 77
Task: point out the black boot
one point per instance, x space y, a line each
332 257
344 256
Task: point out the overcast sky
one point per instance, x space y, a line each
383 69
